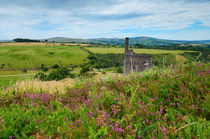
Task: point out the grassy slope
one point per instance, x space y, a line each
171 103
19 57
139 51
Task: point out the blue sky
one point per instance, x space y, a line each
166 19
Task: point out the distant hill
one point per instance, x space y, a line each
148 41
62 39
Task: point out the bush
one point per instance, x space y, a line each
59 74
41 76
119 70
55 66
2 66
42 66
45 69
85 68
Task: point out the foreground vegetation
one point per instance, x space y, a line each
157 103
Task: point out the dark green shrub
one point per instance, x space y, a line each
59 74
85 68
45 69
119 70
55 66
2 66
51 53
42 66
41 76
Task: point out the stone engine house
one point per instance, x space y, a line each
135 62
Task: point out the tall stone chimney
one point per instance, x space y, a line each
126 44
126 52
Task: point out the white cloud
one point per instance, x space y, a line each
99 18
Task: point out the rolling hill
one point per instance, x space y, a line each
149 41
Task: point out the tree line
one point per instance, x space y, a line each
25 40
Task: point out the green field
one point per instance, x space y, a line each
31 57
139 51
8 81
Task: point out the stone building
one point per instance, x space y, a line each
135 62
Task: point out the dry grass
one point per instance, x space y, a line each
53 87
180 58
48 86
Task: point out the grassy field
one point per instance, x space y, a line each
138 51
8 81
28 56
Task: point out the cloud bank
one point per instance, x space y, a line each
170 19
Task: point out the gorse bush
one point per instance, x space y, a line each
170 103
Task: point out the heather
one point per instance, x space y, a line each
159 103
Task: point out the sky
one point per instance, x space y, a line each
166 19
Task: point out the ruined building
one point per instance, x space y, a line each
135 62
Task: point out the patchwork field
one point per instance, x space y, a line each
139 51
